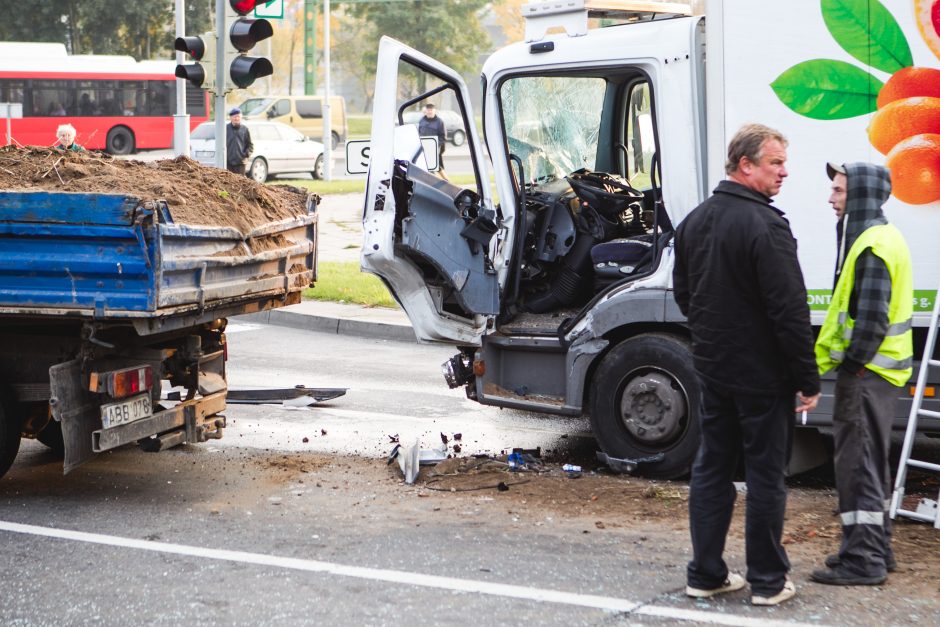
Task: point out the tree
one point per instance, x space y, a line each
143 30
448 30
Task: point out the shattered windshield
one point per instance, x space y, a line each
552 122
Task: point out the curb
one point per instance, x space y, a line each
338 326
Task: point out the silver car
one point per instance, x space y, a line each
278 149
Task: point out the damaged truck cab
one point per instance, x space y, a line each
558 295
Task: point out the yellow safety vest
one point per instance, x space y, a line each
895 357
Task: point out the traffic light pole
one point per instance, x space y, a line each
180 118
327 109
221 68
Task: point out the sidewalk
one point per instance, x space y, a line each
340 239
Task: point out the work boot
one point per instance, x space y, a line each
733 582
841 576
788 592
833 561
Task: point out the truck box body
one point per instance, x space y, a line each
104 256
601 142
106 302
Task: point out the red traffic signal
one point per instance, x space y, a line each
244 7
193 46
241 35
202 49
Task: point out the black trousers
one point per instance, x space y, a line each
761 429
237 169
861 430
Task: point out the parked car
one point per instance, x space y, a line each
453 124
305 113
279 149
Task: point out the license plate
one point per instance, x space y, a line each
134 408
205 154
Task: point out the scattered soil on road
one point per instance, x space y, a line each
196 194
599 502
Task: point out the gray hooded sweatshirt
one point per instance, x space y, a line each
868 188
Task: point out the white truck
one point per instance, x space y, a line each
602 140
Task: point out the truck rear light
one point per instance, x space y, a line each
122 383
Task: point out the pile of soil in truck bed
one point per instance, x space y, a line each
196 194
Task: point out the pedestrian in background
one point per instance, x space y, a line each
738 280
66 134
867 338
238 146
432 126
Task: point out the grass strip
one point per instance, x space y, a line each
343 282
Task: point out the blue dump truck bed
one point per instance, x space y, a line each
106 257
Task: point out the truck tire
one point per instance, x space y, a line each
120 141
9 437
458 138
334 139
645 400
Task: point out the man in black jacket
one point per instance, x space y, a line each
738 280
433 126
238 146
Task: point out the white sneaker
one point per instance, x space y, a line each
733 582
788 592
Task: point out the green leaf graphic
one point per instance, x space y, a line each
868 32
824 89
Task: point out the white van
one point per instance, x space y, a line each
305 113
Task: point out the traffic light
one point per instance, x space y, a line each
241 34
202 49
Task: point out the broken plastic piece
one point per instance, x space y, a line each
627 465
411 457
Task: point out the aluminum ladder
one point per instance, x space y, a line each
927 511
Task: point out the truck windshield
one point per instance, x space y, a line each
552 122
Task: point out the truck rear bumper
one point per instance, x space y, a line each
196 419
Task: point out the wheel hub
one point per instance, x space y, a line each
651 408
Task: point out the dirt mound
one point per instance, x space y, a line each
196 194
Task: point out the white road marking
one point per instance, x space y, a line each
612 604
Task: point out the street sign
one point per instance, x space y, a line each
273 10
357 155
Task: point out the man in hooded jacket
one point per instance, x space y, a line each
867 338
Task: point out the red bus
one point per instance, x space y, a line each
114 102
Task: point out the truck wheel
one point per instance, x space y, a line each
334 137
259 170
458 138
318 168
645 400
120 141
9 438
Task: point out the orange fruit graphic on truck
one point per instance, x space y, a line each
903 118
915 169
908 82
927 14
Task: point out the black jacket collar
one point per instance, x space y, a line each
734 188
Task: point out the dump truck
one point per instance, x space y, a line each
113 315
603 129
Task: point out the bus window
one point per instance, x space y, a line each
52 98
12 90
159 97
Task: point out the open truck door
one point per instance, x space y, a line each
435 245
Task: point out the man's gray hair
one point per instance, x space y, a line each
749 142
